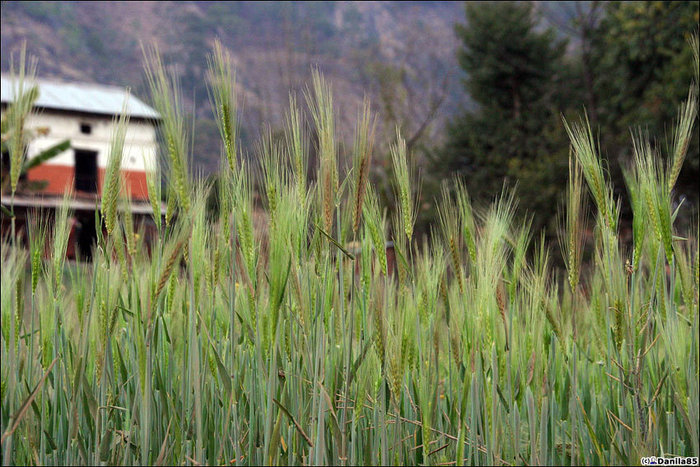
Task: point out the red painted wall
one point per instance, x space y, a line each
60 177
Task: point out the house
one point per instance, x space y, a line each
84 114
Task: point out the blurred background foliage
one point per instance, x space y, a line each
623 64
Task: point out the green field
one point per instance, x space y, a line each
303 343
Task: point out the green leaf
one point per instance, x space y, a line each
591 431
334 242
225 377
105 446
45 155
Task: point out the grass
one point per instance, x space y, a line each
226 345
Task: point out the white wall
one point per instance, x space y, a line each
140 139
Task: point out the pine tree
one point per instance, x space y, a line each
514 135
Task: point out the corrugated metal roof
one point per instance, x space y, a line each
81 97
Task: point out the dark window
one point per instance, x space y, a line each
86 171
6 164
85 128
86 235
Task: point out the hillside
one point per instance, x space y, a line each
401 54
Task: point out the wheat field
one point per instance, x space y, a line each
224 344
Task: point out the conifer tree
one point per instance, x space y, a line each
514 135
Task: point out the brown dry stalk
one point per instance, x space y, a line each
364 143
169 265
552 321
454 254
327 199
379 325
501 301
360 192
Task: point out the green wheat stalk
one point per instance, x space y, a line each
112 177
222 95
